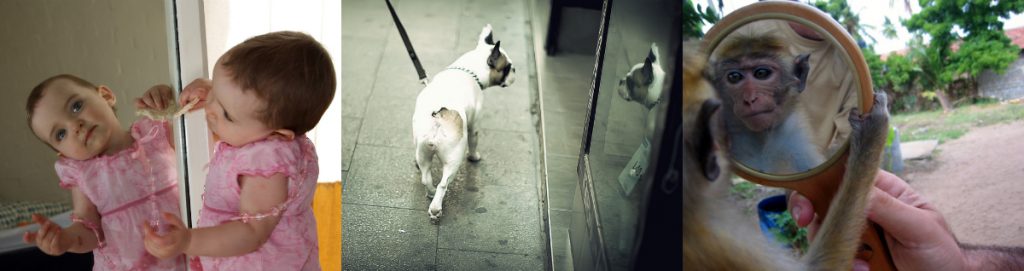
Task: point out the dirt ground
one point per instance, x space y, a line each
977 182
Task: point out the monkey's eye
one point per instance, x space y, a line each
734 77
762 73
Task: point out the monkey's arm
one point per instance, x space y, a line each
840 232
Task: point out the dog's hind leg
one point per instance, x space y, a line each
451 167
423 157
474 155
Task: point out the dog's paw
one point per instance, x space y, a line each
435 214
474 157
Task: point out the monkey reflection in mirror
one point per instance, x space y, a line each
824 85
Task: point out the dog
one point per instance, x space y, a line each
444 121
642 84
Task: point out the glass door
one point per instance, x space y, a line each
622 159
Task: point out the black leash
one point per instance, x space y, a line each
408 45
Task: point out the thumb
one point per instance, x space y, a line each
801 209
898 218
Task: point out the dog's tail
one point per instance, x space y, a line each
446 129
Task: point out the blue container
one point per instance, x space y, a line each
771 205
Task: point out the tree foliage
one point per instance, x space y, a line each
974 29
694 19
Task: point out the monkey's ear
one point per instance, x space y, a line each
705 141
800 70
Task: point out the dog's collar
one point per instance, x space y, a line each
471 73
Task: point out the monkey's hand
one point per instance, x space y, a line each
870 129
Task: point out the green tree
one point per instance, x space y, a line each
694 19
975 27
840 11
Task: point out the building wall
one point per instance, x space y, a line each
1009 85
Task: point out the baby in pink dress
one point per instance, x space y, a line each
118 179
266 93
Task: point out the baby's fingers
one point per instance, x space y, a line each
29 238
175 221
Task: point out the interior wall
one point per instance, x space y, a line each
230 22
118 43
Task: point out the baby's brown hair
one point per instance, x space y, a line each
291 71
37 92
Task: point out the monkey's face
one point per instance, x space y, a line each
756 87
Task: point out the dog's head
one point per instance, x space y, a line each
644 81
502 72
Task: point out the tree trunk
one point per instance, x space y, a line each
944 100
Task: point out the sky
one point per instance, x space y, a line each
873 13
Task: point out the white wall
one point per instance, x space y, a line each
119 43
230 22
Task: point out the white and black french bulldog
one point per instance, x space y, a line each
642 84
444 122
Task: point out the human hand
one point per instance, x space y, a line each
171 243
157 98
49 238
917 234
198 89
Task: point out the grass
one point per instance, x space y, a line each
956 123
746 190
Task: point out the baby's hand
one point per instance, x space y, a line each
198 89
48 238
157 97
172 243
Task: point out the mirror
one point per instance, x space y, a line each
120 44
629 103
788 76
787 86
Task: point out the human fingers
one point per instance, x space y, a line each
149 100
29 237
197 89
150 235
158 98
174 220
801 209
904 222
139 104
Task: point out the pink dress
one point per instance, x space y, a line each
293 243
129 187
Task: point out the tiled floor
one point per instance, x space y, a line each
492 212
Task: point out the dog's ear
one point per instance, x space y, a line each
647 71
492 61
652 56
486 36
489 40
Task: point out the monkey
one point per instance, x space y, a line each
759 83
718 239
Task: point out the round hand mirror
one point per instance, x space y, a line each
788 77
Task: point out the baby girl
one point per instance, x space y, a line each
118 178
266 93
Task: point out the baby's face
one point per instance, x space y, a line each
77 121
231 113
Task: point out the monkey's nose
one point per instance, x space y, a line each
750 101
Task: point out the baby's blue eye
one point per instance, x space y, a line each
61 134
76 107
